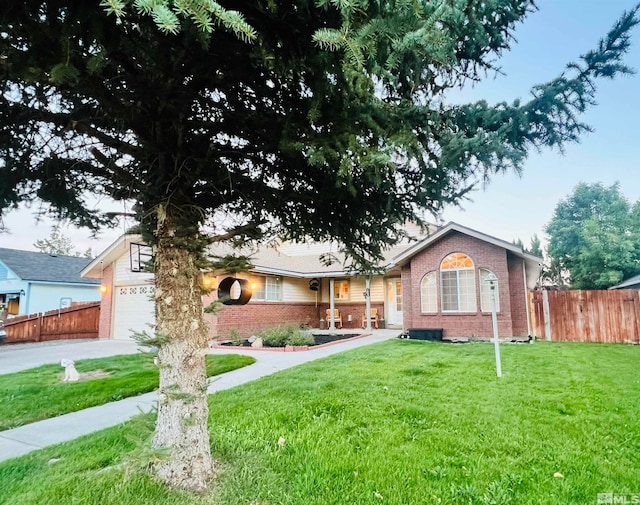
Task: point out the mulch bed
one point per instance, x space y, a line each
319 340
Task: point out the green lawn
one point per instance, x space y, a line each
396 423
39 393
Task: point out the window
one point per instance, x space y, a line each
341 290
458 286
485 291
429 293
266 288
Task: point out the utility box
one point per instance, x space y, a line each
434 334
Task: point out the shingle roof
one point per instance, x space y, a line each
36 266
631 281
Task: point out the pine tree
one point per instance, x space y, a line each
56 243
535 246
308 119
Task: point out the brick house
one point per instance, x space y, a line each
436 282
443 283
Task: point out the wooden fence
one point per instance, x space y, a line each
586 316
79 321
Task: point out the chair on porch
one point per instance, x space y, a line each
336 317
374 319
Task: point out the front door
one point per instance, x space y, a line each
394 302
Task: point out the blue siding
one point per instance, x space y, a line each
43 297
3 272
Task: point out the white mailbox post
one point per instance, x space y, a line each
491 279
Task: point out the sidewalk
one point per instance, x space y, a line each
17 357
22 440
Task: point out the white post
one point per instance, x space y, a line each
367 297
547 315
491 279
332 306
494 320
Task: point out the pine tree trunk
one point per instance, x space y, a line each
181 428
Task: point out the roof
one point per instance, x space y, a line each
630 282
43 267
533 263
121 245
291 261
273 261
267 260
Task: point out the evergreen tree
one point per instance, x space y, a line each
299 119
535 247
56 243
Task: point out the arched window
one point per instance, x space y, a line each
458 286
429 293
485 291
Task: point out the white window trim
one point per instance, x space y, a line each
265 279
458 311
423 308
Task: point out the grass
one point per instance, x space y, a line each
39 393
396 423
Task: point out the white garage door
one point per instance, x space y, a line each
134 310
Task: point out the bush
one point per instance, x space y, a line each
300 338
235 338
285 334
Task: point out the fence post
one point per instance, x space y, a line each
38 325
546 314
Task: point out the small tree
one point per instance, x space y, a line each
593 235
535 246
330 124
56 243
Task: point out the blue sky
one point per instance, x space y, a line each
510 206
517 207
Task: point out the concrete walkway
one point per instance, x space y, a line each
31 437
17 357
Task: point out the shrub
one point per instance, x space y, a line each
300 338
235 337
285 334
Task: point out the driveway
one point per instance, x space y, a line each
16 357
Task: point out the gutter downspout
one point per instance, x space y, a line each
27 299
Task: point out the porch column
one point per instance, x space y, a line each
367 298
332 306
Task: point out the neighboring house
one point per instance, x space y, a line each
33 282
630 283
436 282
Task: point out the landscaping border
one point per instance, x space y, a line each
287 348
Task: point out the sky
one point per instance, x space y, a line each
510 206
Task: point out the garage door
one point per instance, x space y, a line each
134 310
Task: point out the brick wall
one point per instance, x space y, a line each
249 319
484 255
407 297
518 292
357 311
254 316
106 303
